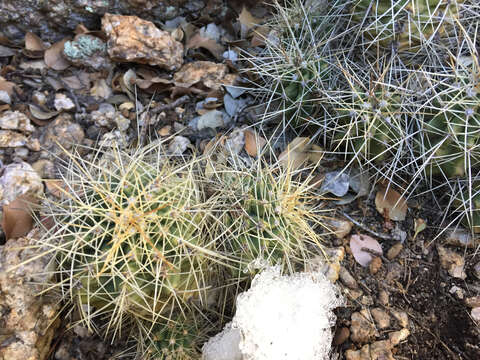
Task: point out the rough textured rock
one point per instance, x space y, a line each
452 261
362 329
19 179
53 19
382 319
10 138
61 132
132 39
28 320
15 120
379 350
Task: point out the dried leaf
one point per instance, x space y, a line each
6 86
253 143
54 56
295 155
391 204
33 42
197 41
247 21
360 242
315 154
17 217
39 114
178 34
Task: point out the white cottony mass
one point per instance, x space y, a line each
279 318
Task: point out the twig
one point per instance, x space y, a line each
360 225
157 110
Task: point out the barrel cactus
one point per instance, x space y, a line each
129 237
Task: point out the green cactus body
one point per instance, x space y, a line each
468 204
369 127
450 138
406 22
266 217
132 241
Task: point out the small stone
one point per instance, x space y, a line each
211 119
132 39
61 133
457 291
328 265
21 153
39 98
63 102
33 144
104 115
122 122
347 279
178 145
235 142
341 336
393 252
475 314
354 294
362 328
476 270
452 262
375 265
473 301
114 139
44 168
165 131
19 179
398 336
11 139
15 120
367 300
340 228
382 319
384 298
381 350
401 317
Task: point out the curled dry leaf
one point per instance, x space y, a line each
6 86
247 21
391 204
54 56
253 142
197 41
39 114
296 153
360 242
33 42
17 216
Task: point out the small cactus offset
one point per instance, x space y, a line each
266 217
130 237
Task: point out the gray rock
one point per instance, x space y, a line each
63 102
178 145
15 120
212 119
336 182
60 133
19 179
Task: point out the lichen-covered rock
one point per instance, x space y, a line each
19 179
28 319
54 19
87 50
132 39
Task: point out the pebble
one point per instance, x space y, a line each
375 265
460 237
452 262
235 142
15 120
10 138
131 39
44 168
476 270
347 279
61 133
473 301
379 350
63 102
362 329
19 179
211 119
401 317
21 153
384 298
393 252
340 228
208 73
39 98
114 139
457 291
475 314
382 319
396 337
331 268
178 145
341 336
